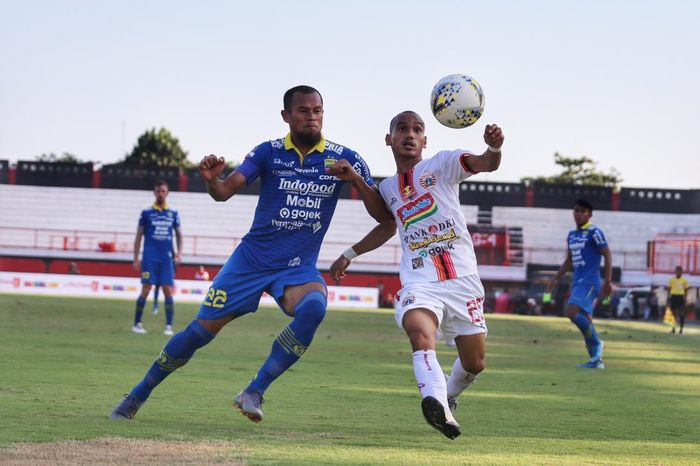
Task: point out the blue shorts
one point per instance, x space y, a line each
158 272
236 289
583 295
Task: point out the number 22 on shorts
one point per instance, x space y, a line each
215 298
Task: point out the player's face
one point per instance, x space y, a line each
305 118
581 215
407 138
161 192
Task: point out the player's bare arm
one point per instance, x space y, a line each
178 241
565 267
370 194
210 168
607 281
490 160
137 249
377 236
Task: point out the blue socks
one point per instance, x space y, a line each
292 342
176 353
140 303
588 330
169 311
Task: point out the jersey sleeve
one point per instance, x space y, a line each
176 223
254 162
360 166
451 164
599 239
143 220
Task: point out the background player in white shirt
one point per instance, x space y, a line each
442 295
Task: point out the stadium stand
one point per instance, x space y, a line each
54 174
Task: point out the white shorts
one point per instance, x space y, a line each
457 303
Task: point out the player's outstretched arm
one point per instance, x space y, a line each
210 168
565 267
370 194
379 235
490 160
137 249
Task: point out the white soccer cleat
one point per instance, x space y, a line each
168 330
138 328
155 310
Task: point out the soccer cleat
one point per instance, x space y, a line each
592 365
598 351
249 403
126 409
438 417
155 310
138 328
168 330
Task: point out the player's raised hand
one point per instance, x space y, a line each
493 136
339 267
211 167
343 170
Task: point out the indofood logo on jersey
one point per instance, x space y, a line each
306 187
415 211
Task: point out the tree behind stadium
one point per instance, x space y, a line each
578 171
157 148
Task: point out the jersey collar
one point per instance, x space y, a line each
585 226
157 207
289 145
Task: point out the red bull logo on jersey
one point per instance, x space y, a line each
415 211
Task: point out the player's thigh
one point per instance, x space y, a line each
290 286
166 273
167 291
583 295
233 293
464 308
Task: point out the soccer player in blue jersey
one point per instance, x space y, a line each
586 245
278 255
157 225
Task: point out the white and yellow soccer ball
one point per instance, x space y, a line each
457 101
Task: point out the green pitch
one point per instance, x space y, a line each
350 400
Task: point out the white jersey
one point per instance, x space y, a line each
425 202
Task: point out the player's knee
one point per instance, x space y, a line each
420 339
475 365
312 308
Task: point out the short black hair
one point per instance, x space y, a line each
161 183
395 120
287 99
585 204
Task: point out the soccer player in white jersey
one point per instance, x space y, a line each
441 295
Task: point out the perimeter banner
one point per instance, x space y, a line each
193 291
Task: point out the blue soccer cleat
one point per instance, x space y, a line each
126 409
592 365
249 403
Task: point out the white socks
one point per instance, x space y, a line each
429 375
460 379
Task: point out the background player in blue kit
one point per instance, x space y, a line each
586 245
278 255
157 225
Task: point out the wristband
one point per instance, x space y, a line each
495 150
349 254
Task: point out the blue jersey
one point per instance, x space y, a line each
296 203
158 225
585 245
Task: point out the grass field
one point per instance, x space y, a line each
350 400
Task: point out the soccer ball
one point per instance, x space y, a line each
457 101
